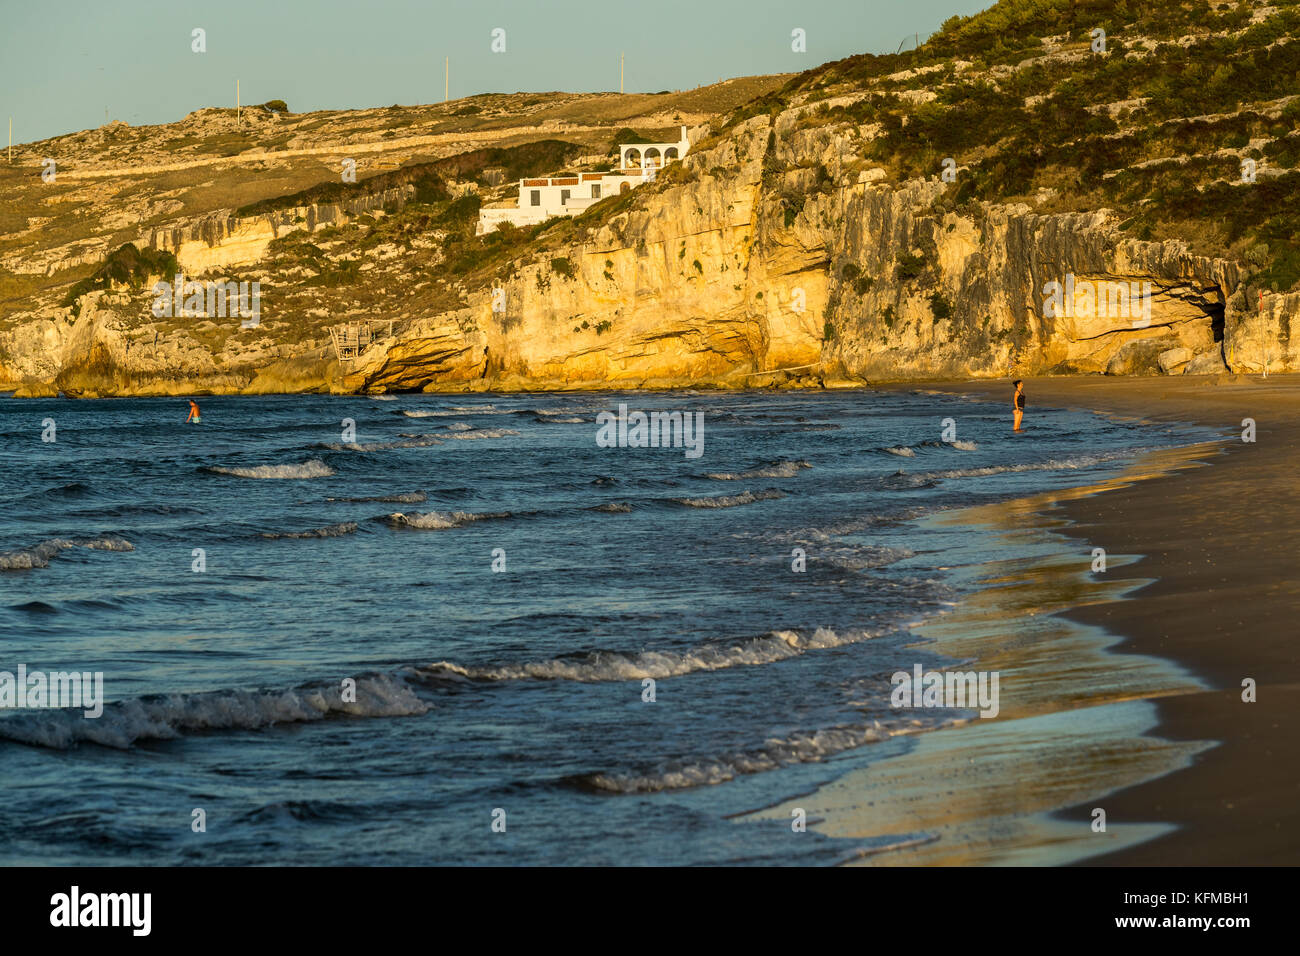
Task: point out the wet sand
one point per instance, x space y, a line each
1215 589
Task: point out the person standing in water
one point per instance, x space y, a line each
194 413
1018 402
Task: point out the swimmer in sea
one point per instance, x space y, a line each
1018 403
194 413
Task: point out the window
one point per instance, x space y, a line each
564 197
536 198
595 190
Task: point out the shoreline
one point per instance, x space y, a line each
1078 718
1217 596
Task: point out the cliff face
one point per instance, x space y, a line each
223 240
713 281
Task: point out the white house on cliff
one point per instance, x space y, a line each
540 199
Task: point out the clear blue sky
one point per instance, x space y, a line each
62 64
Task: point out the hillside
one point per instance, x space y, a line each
881 217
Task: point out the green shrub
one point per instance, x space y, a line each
125 265
910 267
940 306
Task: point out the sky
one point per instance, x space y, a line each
64 65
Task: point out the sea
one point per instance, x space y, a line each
428 629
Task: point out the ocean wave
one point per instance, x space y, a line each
452 411
315 468
903 451
614 507
436 520
382 398
777 469
330 531
483 433
599 666
402 498
39 555
964 445
415 441
1052 464
803 747
730 501
168 716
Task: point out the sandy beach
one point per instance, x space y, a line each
1216 547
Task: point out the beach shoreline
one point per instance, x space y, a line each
1213 545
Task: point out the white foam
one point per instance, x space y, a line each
730 501
964 445
599 666
804 747
483 433
902 451
39 555
434 520
330 531
315 468
403 498
777 469
163 717
423 441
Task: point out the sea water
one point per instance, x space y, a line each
459 629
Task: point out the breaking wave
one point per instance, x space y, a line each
597 666
776 752
330 531
1052 464
777 469
403 498
167 716
39 555
483 433
730 501
315 468
423 441
433 520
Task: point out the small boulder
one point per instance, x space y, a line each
1207 363
1171 361
1139 357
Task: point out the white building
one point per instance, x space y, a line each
540 199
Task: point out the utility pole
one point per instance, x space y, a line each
446 80
238 113
11 139
620 72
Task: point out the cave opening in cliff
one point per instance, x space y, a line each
1216 311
